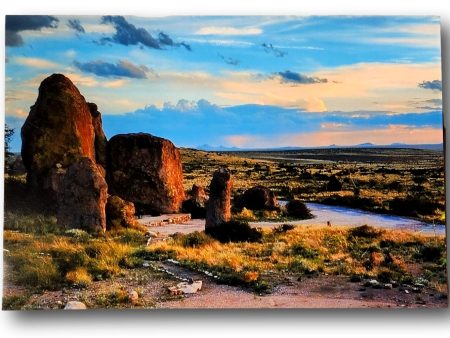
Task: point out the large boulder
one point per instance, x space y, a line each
119 213
259 198
58 131
82 197
218 209
145 170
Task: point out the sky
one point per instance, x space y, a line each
238 81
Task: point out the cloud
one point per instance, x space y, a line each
315 104
215 30
18 23
123 68
128 34
382 136
433 85
269 48
76 25
35 62
297 78
229 60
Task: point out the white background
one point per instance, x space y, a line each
231 323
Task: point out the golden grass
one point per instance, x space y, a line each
312 249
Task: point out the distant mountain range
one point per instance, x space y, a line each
437 147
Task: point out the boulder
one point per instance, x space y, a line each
196 204
82 197
58 131
75 305
119 213
198 194
145 170
218 209
259 198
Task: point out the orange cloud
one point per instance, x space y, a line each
382 136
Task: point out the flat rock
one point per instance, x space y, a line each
75 305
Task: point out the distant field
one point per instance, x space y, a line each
364 155
408 182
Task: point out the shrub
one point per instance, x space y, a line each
78 235
79 277
68 257
283 228
299 249
334 184
364 231
245 215
430 253
298 210
195 239
234 231
33 270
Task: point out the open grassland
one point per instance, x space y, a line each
42 260
406 182
100 270
364 252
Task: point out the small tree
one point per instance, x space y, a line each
9 132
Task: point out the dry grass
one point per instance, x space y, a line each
309 250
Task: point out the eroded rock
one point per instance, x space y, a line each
58 131
119 213
145 170
82 197
218 209
259 198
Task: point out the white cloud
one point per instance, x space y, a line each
35 62
214 30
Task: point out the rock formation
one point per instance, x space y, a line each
82 197
59 130
196 204
100 140
218 209
119 213
145 170
258 198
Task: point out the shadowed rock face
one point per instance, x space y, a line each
58 131
258 198
218 209
145 170
119 213
82 197
100 140
196 204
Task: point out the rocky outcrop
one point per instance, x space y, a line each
100 140
196 204
82 197
58 131
145 170
218 209
259 198
119 213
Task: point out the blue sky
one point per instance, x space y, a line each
239 81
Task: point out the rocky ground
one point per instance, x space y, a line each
151 287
